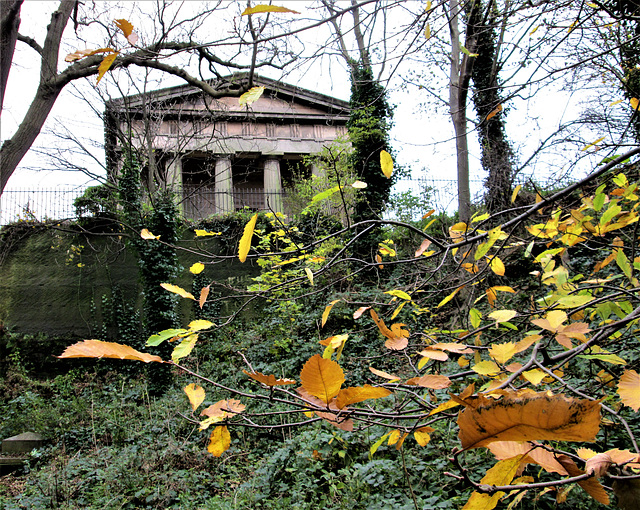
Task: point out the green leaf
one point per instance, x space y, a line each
377 444
158 338
475 317
467 52
251 96
184 348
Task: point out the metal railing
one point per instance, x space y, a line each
201 201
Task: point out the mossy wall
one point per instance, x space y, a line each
52 278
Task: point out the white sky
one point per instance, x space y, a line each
423 140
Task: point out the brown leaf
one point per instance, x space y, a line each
337 418
591 485
526 417
204 294
322 378
80 54
269 380
435 382
259 9
544 458
598 464
384 375
100 349
424 246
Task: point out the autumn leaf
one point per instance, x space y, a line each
106 64
424 246
435 382
384 375
245 241
269 380
534 376
590 485
332 415
100 349
500 474
422 435
497 266
598 464
205 233
534 452
80 54
184 348
127 30
635 103
197 268
386 164
219 442
502 352
360 311
322 378
514 195
397 338
145 234
527 417
494 112
251 96
486 367
177 290
260 9
166 334
196 395
629 389
327 311
354 395
502 315
200 324
204 294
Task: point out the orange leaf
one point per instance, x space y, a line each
177 290
590 485
106 64
100 349
629 389
77 55
220 441
435 382
127 30
332 416
322 378
384 375
354 395
545 459
269 380
424 246
494 112
528 416
204 294
360 311
196 395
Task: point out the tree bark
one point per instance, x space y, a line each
9 25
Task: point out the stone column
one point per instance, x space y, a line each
272 185
174 181
224 186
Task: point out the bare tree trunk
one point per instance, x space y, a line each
9 24
14 149
460 75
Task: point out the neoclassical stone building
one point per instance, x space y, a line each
221 156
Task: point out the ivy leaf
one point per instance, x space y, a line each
251 96
177 290
245 241
260 9
100 349
629 389
386 164
219 442
196 395
322 378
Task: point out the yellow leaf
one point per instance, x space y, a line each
634 102
515 193
500 474
245 241
260 9
219 442
502 315
100 349
386 163
327 310
269 380
595 142
349 396
251 96
127 30
534 376
322 378
106 64
502 352
177 290
486 368
145 234
184 348
534 452
359 185
497 266
629 389
449 297
204 294
197 268
384 375
527 417
422 436
427 31
399 293
200 324
196 395
204 233
393 437
494 112
309 274
613 103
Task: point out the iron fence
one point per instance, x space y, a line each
21 204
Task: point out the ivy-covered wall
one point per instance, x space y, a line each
54 278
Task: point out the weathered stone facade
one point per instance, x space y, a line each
221 155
